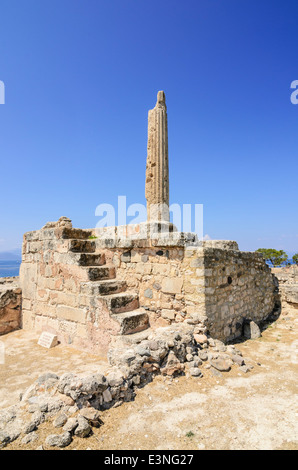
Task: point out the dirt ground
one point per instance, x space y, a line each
25 361
230 411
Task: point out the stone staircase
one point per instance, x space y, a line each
103 285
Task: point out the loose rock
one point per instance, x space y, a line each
58 440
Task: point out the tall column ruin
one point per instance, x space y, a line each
157 169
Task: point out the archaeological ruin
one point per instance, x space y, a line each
89 287
149 298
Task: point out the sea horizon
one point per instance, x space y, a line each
10 268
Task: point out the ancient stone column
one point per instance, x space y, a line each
157 170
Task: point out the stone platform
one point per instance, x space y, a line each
89 287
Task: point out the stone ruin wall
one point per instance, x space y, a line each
216 285
10 305
221 288
239 287
287 278
54 298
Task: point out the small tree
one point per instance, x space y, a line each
275 257
295 258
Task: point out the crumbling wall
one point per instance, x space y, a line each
287 278
10 305
239 287
54 294
213 285
157 274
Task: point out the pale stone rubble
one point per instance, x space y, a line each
73 404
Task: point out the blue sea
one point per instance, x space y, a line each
9 268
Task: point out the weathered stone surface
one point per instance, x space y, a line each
93 384
200 339
10 430
195 372
30 427
203 355
172 365
32 437
60 420
91 415
215 287
4 439
157 170
291 294
70 425
107 396
171 285
10 305
83 429
237 359
221 364
287 286
58 440
251 330
49 376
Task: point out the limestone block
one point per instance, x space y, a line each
28 319
168 314
172 285
28 280
71 314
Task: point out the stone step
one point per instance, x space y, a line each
97 273
132 322
91 259
77 233
106 287
122 302
129 340
81 246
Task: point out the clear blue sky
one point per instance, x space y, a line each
80 76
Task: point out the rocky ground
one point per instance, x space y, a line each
252 407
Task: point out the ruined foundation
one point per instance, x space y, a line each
146 298
89 291
90 287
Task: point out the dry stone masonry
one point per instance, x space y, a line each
89 292
90 287
287 281
158 302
